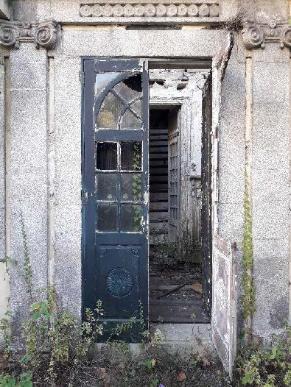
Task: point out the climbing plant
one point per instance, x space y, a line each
248 296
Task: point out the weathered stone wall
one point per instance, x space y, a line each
43 137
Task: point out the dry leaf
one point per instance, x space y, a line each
197 287
205 362
181 377
104 376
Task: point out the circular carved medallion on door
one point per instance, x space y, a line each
119 282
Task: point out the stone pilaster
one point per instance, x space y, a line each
27 178
267 48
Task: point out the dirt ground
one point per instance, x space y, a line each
154 368
116 366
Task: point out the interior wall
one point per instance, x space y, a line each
183 88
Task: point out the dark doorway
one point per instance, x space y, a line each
175 263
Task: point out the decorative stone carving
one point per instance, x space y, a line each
253 37
150 9
46 35
257 35
286 38
8 35
42 34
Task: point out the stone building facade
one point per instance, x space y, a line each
243 45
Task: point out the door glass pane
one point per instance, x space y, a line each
131 189
136 107
110 112
107 217
131 156
107 185
130 121
131 218
103 80
106 155
130 88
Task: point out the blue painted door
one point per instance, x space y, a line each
115 190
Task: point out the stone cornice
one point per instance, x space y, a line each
256 35
42 34
150 10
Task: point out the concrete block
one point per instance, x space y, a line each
268 90
270 186
271 286
67 247
271 248
231 221
270 130
27 131
270 219
26 69
185 338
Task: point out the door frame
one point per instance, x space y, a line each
162 63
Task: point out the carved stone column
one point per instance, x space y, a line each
27 123
268 98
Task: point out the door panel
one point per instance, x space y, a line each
224 313
115 188
224 286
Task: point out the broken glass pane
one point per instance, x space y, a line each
111 109
130 88
107 185
131 156
131 189
107 217
131 218
106 155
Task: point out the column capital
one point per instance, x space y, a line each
257 35
43 34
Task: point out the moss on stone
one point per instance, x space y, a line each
248 297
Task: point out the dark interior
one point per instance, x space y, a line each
175 280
